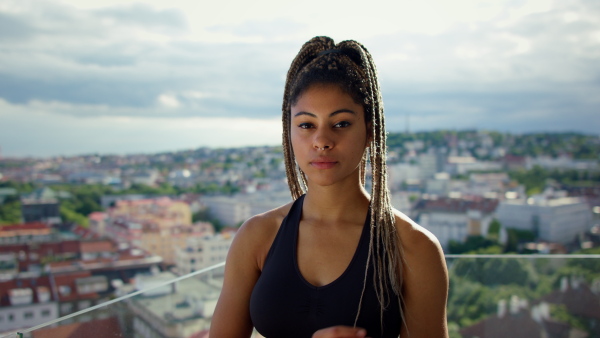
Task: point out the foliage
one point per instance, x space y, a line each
205 216
494 230
517 236
536 178
496 271
472 243
560 313
10 211
71 216
22 188
477 284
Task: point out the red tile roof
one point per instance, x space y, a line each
31 283
68 279
519 325
458 205
25 226
580 300
97 246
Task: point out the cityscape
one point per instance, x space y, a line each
517 215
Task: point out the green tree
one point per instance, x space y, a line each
10 211
472 243
494 230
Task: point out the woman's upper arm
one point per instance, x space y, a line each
232 317
425 284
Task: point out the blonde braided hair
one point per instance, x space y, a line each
350 66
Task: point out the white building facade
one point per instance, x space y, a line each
557 220
203 252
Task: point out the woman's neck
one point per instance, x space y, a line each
333 203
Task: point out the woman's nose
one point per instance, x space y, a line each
323 140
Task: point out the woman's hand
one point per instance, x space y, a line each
340 332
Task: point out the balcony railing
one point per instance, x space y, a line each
490 296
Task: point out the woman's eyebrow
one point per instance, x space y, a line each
330 115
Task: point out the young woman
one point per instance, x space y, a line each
338 261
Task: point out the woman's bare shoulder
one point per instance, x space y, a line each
425 280
415 239
265 223
257 234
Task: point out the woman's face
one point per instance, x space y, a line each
328 134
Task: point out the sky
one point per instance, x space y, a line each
123 77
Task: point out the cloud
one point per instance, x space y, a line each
520 66
144 16
13 28
35 131
264 29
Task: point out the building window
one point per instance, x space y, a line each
28 315
66 308
11 317
46 313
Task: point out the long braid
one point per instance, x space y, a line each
359 68
296 179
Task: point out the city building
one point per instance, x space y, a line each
228 210
41 206
455 218
26 302
179 309
103 327
165 241
6 193
558 220
234 210
579 300
515 318
202 252
26 233
159 226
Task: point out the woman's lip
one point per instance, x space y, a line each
323 164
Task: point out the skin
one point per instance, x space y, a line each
329 136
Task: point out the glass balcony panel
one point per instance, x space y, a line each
524 296
490 296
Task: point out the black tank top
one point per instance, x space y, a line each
284 304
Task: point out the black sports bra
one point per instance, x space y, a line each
284 304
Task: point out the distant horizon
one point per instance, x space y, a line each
3 156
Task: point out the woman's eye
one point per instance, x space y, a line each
305 125
342 124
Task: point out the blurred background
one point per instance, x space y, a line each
136 137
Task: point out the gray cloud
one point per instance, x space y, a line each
272 29
541 72
14 28
142 15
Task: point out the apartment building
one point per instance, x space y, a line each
202 252
455 218
557 220
158 226
181 309
25 303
